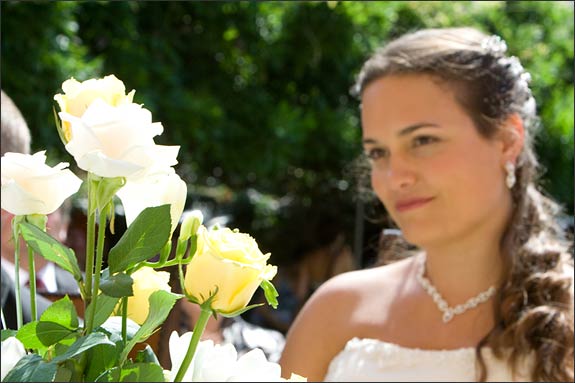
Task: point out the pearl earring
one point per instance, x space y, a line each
510 179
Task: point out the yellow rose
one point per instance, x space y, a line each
146 281
78 96
231 261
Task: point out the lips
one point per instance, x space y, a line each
411 204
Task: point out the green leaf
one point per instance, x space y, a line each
105 305
142 372
51 249
84 343
39 335
27 335
63 374
113 327
145 238
101 359
61 312
118 285
136 372
270 292
7 334
31 368
147 355
161 303
64 344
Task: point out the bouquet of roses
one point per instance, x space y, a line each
112 139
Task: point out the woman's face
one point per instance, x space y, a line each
437 177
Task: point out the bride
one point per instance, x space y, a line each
448 123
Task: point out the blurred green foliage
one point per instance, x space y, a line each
257 93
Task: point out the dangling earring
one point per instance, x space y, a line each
510 169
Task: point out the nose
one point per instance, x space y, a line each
399 174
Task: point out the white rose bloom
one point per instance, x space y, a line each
254 367
156 188
117 141
29 186
220 363
12 351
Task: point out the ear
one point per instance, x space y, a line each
512 136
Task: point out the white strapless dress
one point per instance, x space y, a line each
372 360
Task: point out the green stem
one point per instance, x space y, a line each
90 233
125 320
98 264
32 280
16 239
164 254
199 328
182 279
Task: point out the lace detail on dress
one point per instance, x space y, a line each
374 360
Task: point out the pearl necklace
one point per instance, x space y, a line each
450 312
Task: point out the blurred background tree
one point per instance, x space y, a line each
257 94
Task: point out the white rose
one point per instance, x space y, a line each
12 351
159 188
211 363
29 186
117 141
254 367
220 363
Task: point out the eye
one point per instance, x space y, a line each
423 140
375 153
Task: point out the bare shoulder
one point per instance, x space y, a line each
366 280
333 315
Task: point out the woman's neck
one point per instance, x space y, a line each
460 270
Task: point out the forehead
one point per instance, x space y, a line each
407 99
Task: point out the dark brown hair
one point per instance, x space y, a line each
534 310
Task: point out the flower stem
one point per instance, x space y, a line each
90 233
98 265
16 239
124 320
199 328
32 280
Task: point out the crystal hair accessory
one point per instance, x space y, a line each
494 45
450 312
510 170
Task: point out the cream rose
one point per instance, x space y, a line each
79 95
29 186
231 261
146 282
159 188
117 141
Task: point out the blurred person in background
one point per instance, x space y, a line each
51 280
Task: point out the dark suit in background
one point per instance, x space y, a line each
8 295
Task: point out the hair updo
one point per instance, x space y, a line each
534 307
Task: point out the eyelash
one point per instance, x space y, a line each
377 153
417 141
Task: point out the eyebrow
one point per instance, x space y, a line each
407 130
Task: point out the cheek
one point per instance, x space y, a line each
475 182
378 185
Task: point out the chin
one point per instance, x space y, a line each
419 237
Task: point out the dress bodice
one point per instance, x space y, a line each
371 360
